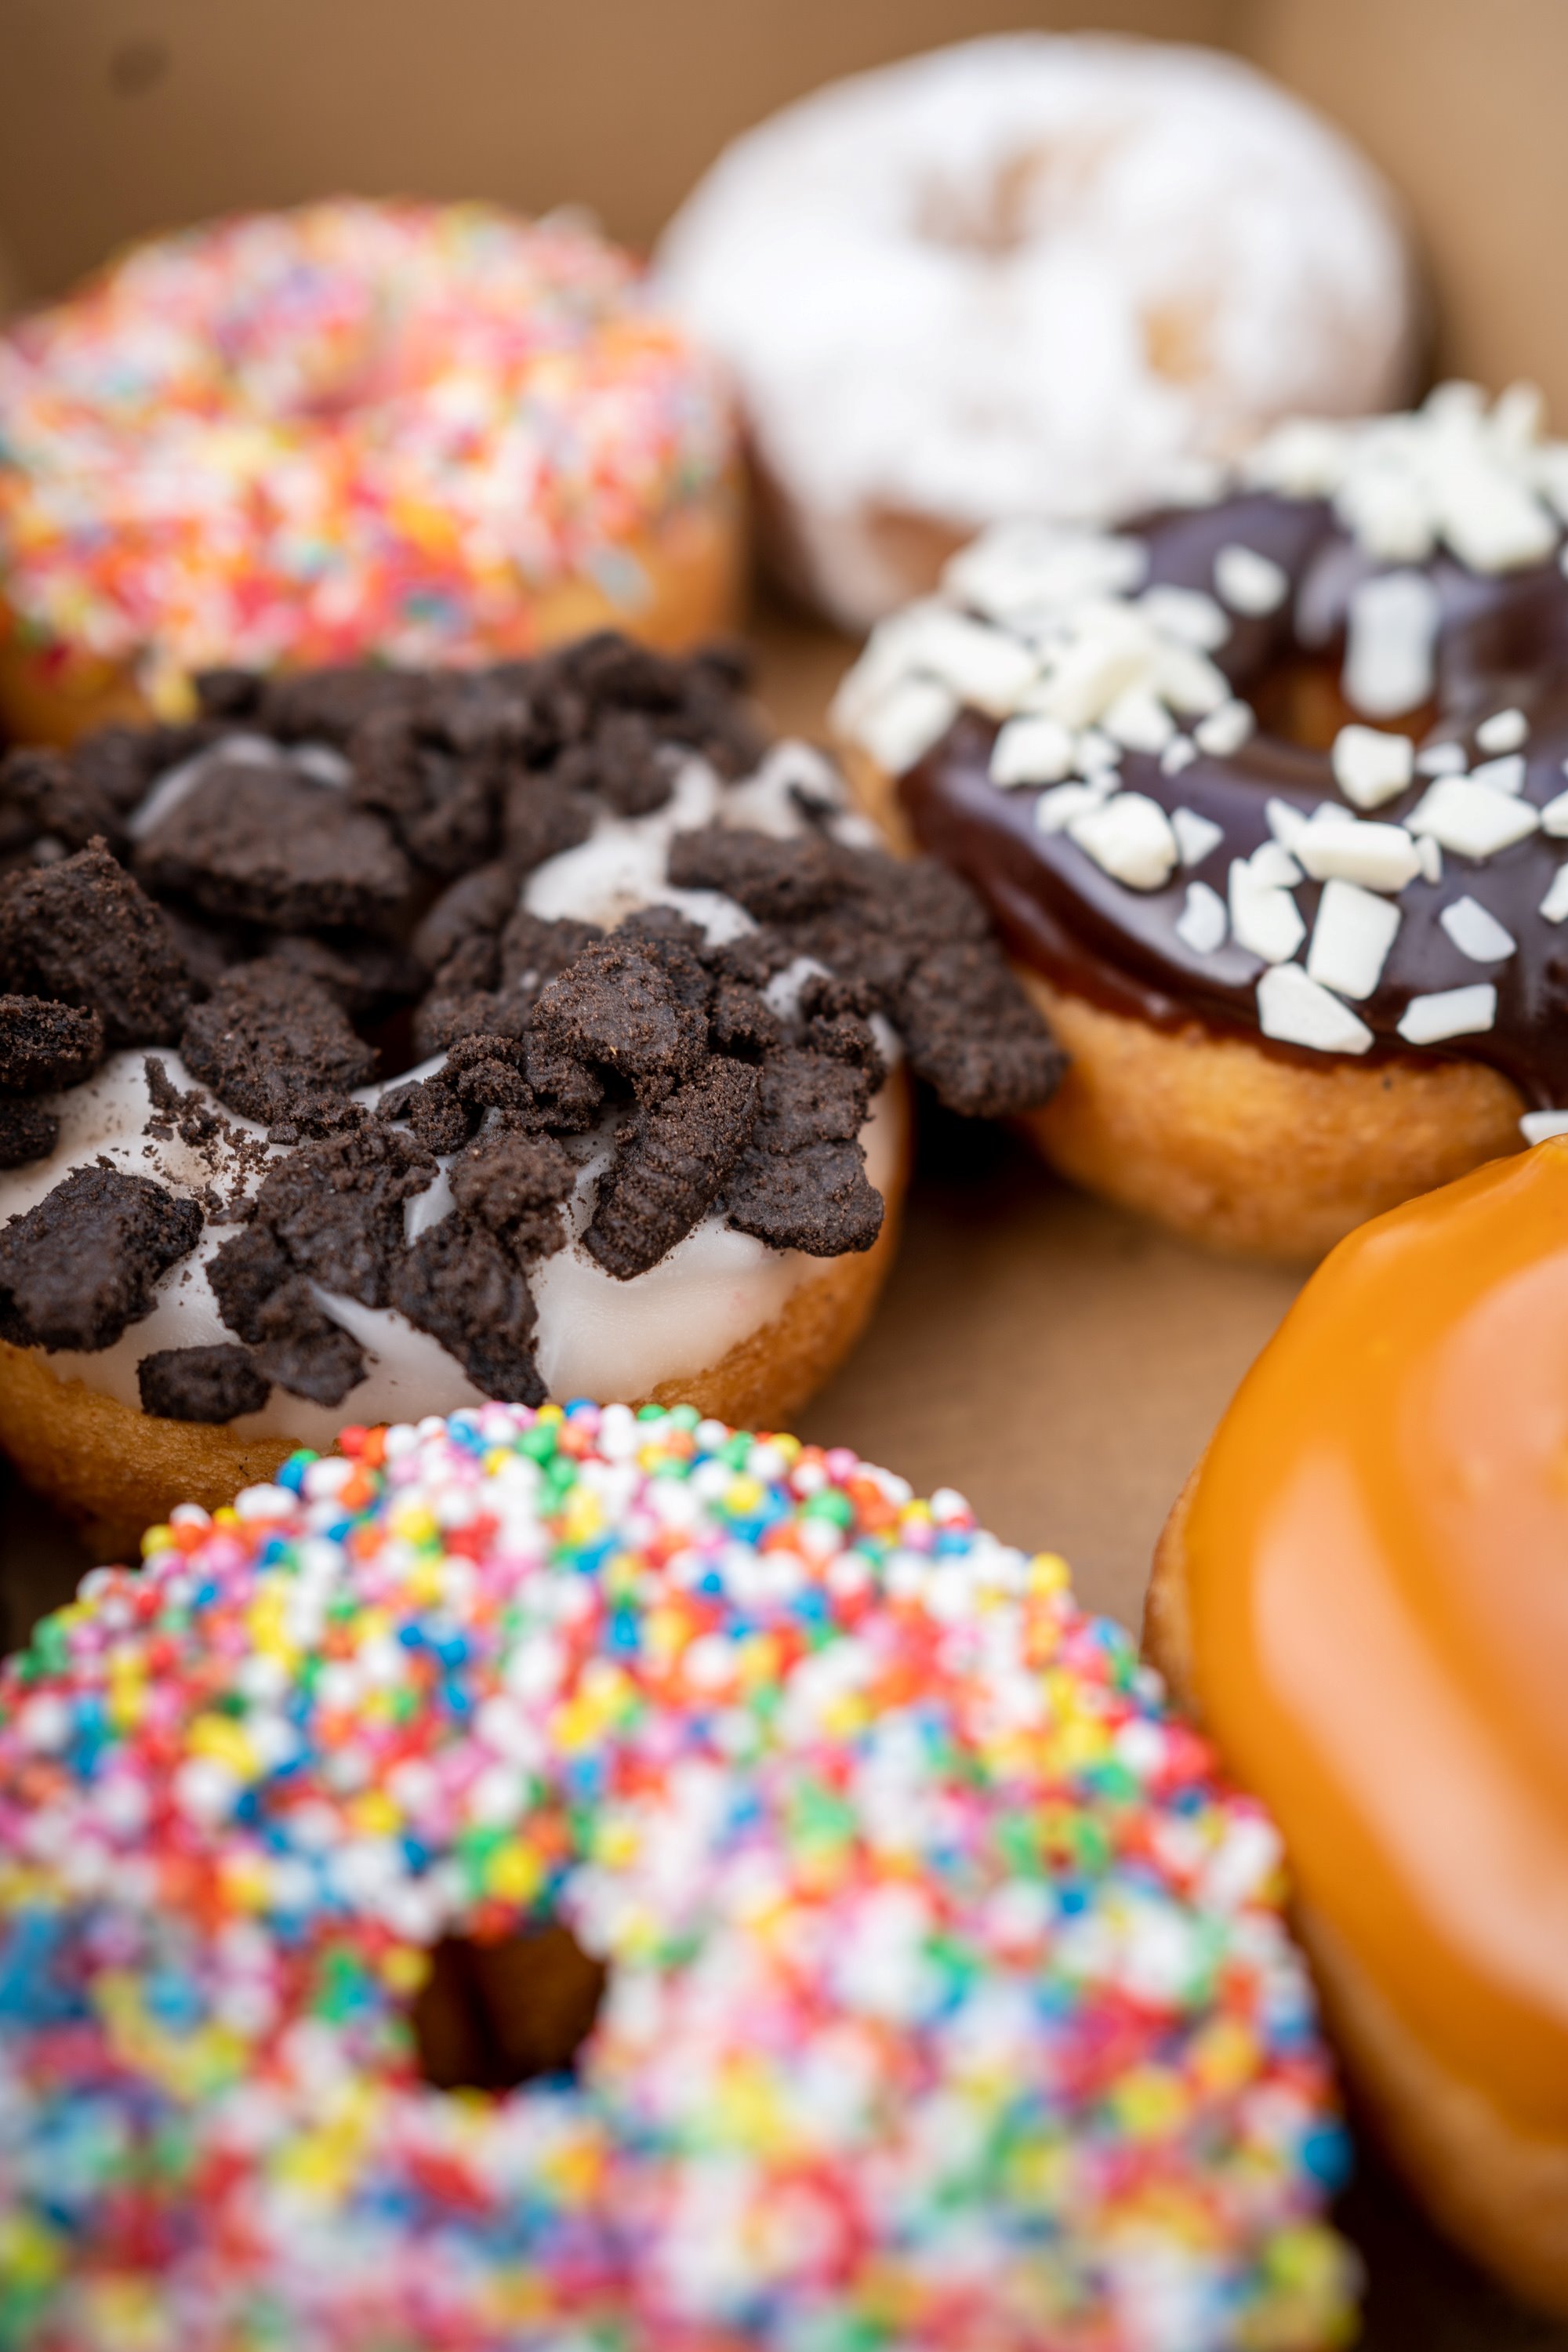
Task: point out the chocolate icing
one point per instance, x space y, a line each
1502 643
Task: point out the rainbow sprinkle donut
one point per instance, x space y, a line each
426 432
948 2003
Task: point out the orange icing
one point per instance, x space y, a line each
1378 1577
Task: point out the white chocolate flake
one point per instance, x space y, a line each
1293 1008
1390 639
1339 847
1504 775
1540 1125
1032 749
1352 935
1449 1013
1225 730
1249 582
1471 819
1554 906
1477 932
1264 917
1370 765
1203 922
1130 836
1196 835
1505 730
1055 810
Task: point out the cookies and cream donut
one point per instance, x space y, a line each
1361 1594
411 433
394 1040
1032 275
919 1981
1268 794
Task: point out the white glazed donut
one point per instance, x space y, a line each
1031 275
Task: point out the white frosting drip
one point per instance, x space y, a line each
1036 275
597 1337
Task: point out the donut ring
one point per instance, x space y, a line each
948 1997
412 432
1304 969
1029 275
645 989
1375 1538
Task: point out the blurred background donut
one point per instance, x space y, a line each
1031 275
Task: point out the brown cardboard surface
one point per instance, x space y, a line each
1461 103
119 117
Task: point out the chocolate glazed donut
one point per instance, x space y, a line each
1248 1088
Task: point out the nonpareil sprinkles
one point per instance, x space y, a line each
949 2001
304 437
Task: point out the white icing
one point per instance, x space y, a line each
596 1337
1031 275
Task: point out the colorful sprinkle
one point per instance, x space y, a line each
347 430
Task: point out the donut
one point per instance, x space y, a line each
416 433
1359 1593
1267 794
1034 275
554 1877
384 1041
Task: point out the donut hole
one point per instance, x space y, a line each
497 2012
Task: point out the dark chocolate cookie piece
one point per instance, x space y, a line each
544 815
971 1032
467 1288
299 1347
208 1384
801 1182
334 1209
513 1182
275 1044
443 806
325 706
477 903
28 1132
83 1264
43 794
268 845
670 1166
617 1010
81 932
45 1043
776 881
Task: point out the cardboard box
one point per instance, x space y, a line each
1059 1361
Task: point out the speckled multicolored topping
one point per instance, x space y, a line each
949 2001
303 436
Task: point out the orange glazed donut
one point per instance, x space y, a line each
1265 791
414 433
1362 1594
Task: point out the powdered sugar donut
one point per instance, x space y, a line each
434 1036
1032 275
925 1986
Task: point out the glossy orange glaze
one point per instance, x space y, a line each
1377 1568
